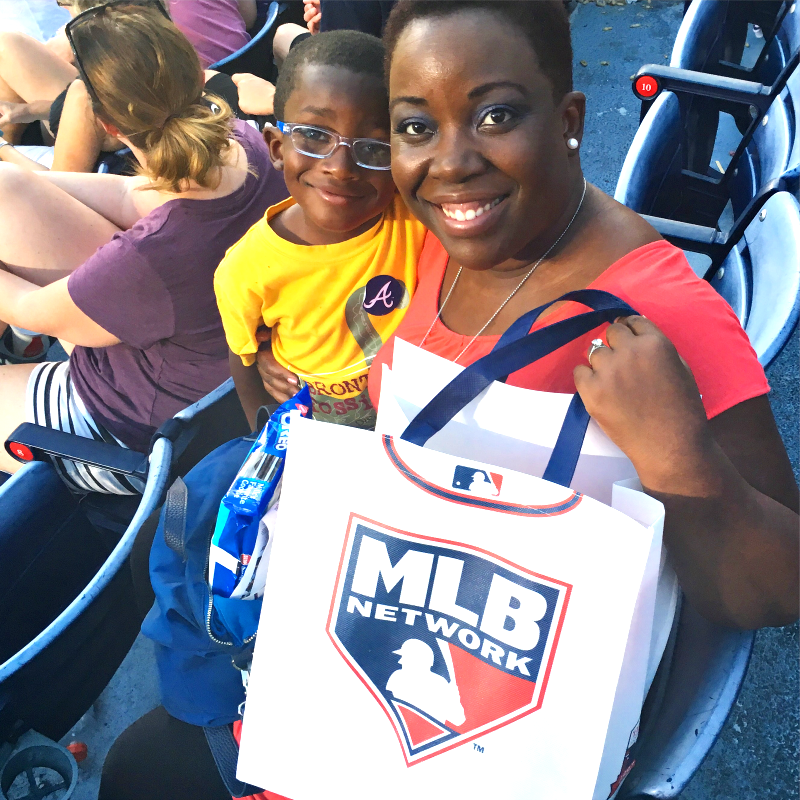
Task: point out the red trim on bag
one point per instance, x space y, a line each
552 510
494 557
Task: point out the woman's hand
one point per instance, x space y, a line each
277 380
312 15
645 399
14 114
726 484
255 94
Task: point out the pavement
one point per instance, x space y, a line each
756 756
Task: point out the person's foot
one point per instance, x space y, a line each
20 349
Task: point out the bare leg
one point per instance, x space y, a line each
29 71
13 387
45 233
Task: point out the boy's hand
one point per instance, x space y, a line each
255 94
312 15
277 380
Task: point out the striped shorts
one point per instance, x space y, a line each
52 401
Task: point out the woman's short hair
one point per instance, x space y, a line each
544 23
149 82
359 52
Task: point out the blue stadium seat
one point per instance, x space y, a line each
694 690
68 612
256 56
712 38
757 271
761 277
668 170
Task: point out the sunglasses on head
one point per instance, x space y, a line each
320 143
91 13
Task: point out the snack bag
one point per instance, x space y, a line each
236 540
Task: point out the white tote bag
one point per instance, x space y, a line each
424 637
517 429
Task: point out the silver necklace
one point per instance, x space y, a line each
518 287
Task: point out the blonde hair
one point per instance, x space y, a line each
149 83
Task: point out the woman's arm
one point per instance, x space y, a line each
249 12
112 196
49 309
23 113
80 136
11 155
731 527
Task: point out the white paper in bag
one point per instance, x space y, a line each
402 592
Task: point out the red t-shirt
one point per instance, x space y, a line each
655 279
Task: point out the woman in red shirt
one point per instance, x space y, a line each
486 152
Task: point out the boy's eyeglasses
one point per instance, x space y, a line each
95 11
319 143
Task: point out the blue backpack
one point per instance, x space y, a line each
198 644
201 647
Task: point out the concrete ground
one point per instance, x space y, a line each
757 754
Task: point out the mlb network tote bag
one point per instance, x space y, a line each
517 428
420 639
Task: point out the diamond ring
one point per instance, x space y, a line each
596 345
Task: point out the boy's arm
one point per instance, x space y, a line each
278 381
249 387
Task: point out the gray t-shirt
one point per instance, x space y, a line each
153 288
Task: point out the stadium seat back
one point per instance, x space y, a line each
67 600
700 38
771 279
713 33
653 163
766 157
692 695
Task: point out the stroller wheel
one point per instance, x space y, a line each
40 769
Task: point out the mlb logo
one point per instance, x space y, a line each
450 640
477 481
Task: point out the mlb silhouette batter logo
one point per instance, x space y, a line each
452 641
477 481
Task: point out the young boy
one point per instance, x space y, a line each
331 270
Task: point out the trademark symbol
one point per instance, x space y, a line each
477 748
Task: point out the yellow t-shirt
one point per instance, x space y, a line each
330 307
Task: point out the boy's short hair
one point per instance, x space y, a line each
353 50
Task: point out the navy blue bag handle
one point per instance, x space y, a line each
517 348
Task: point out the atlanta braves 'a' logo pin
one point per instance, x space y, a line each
382 294
452 641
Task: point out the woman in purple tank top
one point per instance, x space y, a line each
122 268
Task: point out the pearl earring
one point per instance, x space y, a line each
572 143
